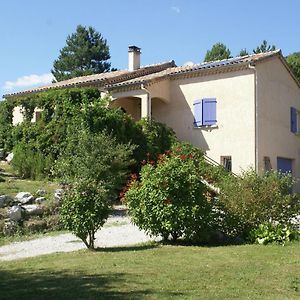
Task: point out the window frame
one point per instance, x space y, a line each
201 112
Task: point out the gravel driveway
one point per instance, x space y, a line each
118 231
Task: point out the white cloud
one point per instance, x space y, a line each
176 9
28 81
188 64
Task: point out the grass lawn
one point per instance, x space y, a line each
157 272
12 185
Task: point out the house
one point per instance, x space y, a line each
243 112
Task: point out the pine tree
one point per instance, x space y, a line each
86 52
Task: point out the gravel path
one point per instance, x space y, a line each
118 231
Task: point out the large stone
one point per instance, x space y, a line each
24 197
40 200
15 213
58 194
41 193
33 210
3 200
9 157
10 227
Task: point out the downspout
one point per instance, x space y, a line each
148 101
255 116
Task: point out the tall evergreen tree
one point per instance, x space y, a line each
264 47
243 52
218 51
86 52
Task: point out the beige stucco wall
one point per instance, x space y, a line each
277 92
19 118
234 133
17 115
132 105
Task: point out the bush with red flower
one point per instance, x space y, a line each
170 199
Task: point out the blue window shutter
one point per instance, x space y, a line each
198 113
293 119
209 111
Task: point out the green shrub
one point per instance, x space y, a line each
159 137
94 167
171 200
29 163
270 233
84 209
253 199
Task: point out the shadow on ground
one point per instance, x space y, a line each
140 247
45 284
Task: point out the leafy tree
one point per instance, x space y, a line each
293 61
170 198
86 52
84 210
243 52
94 167
218 51
264 47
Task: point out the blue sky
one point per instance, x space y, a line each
33 31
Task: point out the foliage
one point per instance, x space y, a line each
95 156
84 209
6 115
170 199
270 233
243 52
264 47
94 167
293 61
86 52
159 138
218 52
98 117
29 163
64 110
253 199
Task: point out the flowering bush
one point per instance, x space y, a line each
170 199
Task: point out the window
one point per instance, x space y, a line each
205 112
284 165
226 162
294 120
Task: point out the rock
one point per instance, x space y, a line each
41 193
15 213
3 200
33 210
35 225
24 197
40 200
10 227
58 194
296 222
9 157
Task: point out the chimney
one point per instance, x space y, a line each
134 61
